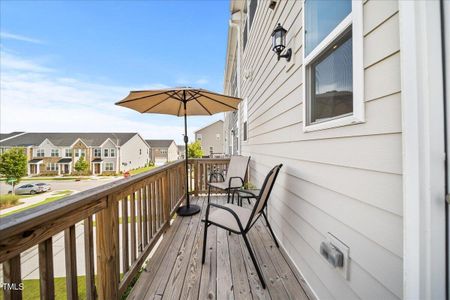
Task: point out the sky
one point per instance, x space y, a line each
63 64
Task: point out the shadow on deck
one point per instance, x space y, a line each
175 271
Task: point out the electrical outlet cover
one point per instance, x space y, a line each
344 270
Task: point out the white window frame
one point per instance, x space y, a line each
105 151
66 151
199 137
112 152
40 151
54 153
52 167
96 150
354 19
244 119
106 164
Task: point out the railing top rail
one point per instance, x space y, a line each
210 159
27 219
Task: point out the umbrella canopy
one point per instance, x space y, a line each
171 102
184 102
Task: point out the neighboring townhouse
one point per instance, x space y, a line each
181 151
211 138
356 116
57 153
162 151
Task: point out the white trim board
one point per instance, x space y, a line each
423 150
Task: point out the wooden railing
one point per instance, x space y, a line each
200 170
122 221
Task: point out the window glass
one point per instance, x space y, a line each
244 35
332 82
112 152
321 17
253 5
245 131
68 152
106 152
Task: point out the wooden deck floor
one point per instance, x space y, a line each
175 270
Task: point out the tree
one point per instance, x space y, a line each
81 165
13 165
195 150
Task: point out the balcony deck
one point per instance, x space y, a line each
175 271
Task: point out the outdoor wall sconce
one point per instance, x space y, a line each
279 42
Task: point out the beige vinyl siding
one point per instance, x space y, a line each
345 180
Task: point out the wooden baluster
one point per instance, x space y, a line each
71 262
133 225
12 276
125 257
107 260
161 202
89 258
149 210
139 219
166 200
153 201
144 214
46 280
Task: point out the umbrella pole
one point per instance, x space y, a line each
188 209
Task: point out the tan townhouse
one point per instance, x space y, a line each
57 153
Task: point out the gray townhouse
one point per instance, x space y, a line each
162 151
57 153
211 138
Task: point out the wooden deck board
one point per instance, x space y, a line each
175 270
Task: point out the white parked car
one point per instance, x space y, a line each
46 187
29 188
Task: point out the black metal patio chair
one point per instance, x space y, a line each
240 220
237 169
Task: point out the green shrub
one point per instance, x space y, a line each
8 201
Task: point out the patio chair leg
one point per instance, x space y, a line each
271 231
255 263
228 196
205 234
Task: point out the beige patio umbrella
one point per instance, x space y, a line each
184 101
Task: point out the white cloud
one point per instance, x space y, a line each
17 37
35 98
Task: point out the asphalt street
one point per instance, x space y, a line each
81 185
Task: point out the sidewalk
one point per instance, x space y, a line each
33 200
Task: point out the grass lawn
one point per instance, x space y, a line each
141 170
31 288
55 197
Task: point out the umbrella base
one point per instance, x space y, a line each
190 210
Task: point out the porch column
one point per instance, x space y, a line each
59 168
29 169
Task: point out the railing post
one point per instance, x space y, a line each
107 260
12 276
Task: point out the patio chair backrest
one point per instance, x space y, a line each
237 168
264 193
